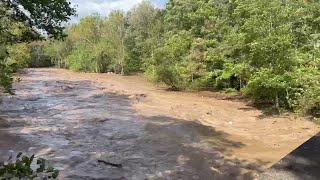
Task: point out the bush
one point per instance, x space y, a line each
21 168
19 56
5 77
310 101
308 98
265 85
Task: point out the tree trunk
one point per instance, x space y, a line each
122 36
122 71
60 61
97 67
277 103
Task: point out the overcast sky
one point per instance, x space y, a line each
103 7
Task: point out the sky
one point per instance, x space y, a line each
103 7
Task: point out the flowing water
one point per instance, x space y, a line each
75 123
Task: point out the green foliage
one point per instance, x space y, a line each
82 58
93 45
308 92
38 58
21 168
5 77
56 51
268 49
267 85
19 56
46 15
18 21
144 33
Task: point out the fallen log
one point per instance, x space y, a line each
110 164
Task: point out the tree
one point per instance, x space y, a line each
45 15
20 55
116 32
84 37
267 49
144 34
20 18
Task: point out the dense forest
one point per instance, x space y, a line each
266 49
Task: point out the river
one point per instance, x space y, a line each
75 122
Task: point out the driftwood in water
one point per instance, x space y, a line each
110 164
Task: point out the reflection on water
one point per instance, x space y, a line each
74 124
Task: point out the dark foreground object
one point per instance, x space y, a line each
302 163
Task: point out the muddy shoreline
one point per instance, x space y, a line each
75 119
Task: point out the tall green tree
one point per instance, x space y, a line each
84 37
144 34
116 32
19 18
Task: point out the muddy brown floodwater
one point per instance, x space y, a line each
76 119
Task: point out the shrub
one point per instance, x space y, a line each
21 168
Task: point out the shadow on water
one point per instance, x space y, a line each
74 124
9 141
195 151
302 163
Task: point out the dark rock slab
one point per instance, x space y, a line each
301 164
